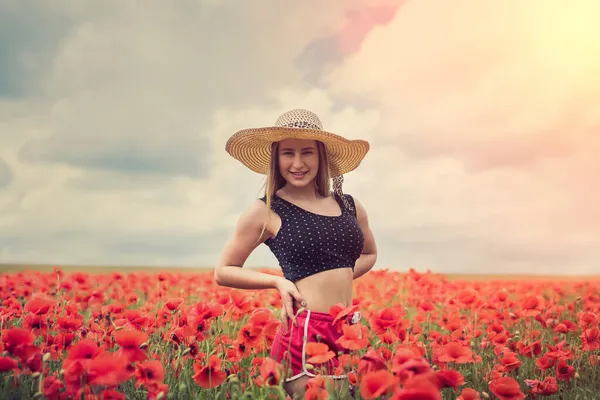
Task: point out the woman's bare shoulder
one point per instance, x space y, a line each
255 212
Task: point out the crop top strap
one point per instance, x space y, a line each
275 203
349 201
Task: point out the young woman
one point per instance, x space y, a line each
321 238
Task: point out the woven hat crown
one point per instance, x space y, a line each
299 118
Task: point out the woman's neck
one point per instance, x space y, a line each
306 193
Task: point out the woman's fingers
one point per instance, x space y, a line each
299 298
289 305
284 318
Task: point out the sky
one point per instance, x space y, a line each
483 119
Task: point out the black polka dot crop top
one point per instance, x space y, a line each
308 243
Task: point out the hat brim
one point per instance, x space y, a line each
252 147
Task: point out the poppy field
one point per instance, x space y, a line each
174 335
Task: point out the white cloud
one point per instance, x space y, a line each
460 79
486 133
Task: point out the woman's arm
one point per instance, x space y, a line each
230 272
246 237
369 253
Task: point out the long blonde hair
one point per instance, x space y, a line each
276 181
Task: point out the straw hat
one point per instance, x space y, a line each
252 147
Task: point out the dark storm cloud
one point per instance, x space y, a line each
185 155
30 33
115 249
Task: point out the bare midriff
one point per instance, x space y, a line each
325 289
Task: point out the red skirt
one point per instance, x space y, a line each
289 348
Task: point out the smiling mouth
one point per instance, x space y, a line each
299 173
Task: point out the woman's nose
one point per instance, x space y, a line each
298 161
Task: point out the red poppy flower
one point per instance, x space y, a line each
149 373
533 305
251 335
130 342
588 319
371 361
355 337
85 349
456 352
530 350
384 319
319 353
112 394
426 306
239 305
564 371
173 303
547 387
449 378
316 389
375 384
269 372
545 362
16 340
137 320
39 304
510 361
506 388
410 368
468 297
469 394
590 339
8 364
209 375
109 369
419 387
340 315
52 387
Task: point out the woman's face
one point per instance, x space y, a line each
298 161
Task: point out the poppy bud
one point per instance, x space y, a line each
485 395
46 357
